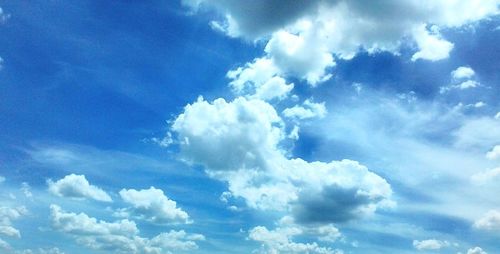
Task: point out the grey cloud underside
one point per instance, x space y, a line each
332 204
260 17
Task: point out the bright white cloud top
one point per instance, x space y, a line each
120 236
303 37
152 205
238 142
77 186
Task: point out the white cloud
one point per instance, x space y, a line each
309 109
152 205
259 79
303 36
275 87
7 215
54 250
490 221
120 236
462 72
280 241
77 186
328 233
467 84
479 104
238 142
486 176
9 231
476 250
430 244
494 154
431 45
295 56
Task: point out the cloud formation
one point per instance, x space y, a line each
476 250
304 37
238 142
120 236
430 244
490 221
153 205
77 186
7 215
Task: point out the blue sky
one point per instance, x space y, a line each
214 126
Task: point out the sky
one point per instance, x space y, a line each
266 126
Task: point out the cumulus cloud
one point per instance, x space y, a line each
431 45
259 79
280 240
462 72
120 236
430 244
304 36
308 109
461 86
77 186
153 205
476 250
490 221
238 142
494 154
7 215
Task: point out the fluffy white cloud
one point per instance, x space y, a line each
430 244
9 231
462 72
490 221
303 36
431 45
309 109
461 86
77 186
494 154
153 205
259 79
7 215
120 236
280 240
476 250
295 56
238 142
